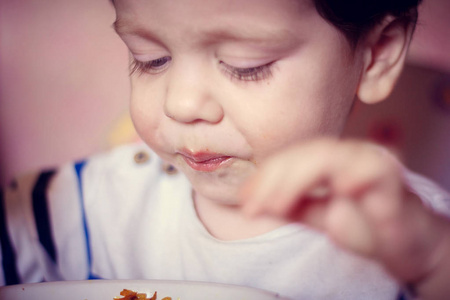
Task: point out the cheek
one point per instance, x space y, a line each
296 107
324 90
144 110
271 123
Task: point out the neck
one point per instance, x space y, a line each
227 222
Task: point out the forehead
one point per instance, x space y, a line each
190 17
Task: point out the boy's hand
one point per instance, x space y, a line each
354 192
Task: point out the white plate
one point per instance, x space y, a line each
108 289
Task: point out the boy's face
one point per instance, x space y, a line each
221 84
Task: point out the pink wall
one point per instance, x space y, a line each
64 87
431 44
63 81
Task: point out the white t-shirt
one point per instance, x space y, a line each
126 214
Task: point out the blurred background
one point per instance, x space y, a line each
64 89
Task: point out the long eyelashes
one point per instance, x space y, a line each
248 74
157 66
152 66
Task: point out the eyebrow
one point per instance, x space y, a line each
258 35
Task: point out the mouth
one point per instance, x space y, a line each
204 161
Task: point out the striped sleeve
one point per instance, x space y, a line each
19 262
43 231
41 214
9 267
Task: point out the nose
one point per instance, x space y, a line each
189 96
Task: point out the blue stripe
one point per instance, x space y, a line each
78 169
401 296
93 277
406 294
41 213
8 254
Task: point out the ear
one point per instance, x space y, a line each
384 51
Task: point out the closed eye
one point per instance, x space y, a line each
151 67
248 74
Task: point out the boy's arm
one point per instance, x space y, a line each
436 283
18 253
437 202
356 194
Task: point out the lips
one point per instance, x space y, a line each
204 161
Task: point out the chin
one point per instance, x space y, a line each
218 194
223 185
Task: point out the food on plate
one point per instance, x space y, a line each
132 295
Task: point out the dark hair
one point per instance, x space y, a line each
355 18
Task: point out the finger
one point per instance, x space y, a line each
342 220
370 177
360 164
284 179
347 225
311 212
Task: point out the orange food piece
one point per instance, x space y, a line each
131 295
